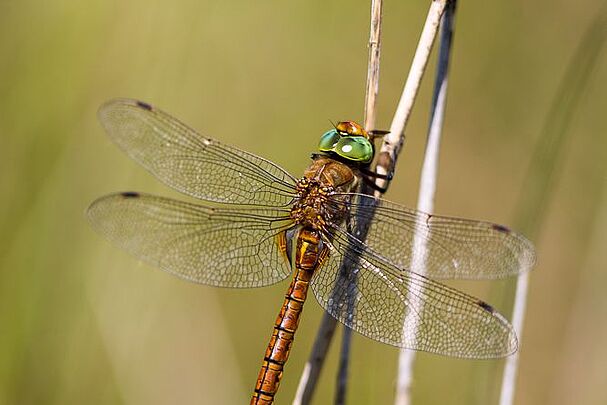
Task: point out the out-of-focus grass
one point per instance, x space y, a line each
82 322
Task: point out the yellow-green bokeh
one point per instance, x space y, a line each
81 322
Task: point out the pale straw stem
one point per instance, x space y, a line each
425 203
311 373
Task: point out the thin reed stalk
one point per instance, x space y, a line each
389 151
544 170
371 92
311 373
427 188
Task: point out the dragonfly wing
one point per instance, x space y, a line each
405 309
190 163
455 248
208 245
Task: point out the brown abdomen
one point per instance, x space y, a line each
309 256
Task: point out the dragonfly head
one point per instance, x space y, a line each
348 140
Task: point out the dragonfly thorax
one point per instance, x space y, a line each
310 208
320 193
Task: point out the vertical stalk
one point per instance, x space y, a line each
309 377
545 169
393 142
371 92
427 189
391 146
373 65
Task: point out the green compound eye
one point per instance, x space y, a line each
355 148
328 141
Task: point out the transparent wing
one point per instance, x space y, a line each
190 163
405 309
214 246
455 248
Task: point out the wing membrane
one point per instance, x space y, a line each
213 246
455 248
404 309
190 163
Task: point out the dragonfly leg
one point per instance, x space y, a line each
371 183
370 173
369 177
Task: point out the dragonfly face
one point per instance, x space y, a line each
349 141
254 215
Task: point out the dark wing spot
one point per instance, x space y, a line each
130 194
500 228
428 220
145 106
486 306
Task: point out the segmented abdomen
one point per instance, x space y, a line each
308 257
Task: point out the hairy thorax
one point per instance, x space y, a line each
318 191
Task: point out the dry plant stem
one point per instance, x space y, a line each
518 318
309 377
394 141
373 65
344 363
545 168
386 161
371 92
311 372
427 187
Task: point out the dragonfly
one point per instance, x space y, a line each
258 225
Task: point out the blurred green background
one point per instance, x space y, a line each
81 322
